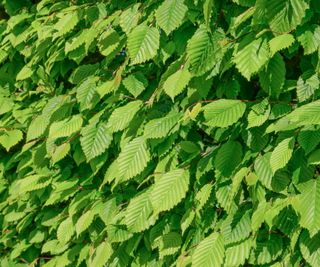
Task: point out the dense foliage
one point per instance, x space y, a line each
159 133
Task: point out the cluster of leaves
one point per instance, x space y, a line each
159 133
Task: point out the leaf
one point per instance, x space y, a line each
139 213
95 139
10 138
135 83
209 252
304 115
86 93
263 169
66 24
169 189
314 158
37 127
133 158
236 227
200 52
203 196
84 222
170 15
280 42
310 40
129 18
258 215
162 127
308 139
122 116
272 78
60 152
281 155
85 38
108 42
310 248
308 206
208 6
228 157
306 86
101 255
259 114
24 73
267 250
285 15
223 112
143 44
170 244
65 230
237 254
65 127
251 56
79 75
176 83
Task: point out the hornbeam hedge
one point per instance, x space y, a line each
159 133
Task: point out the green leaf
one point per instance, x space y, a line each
170 243
135 83
309 138
133 158
84 222
305 115
200 51
263 169
122 116
259 114
65 230
251 56
177 82
228 157
108 42
203 196
66 24
79 75
95 139
139 213
129 18
237 254
86 93
169 189
10 138
280 42
285 15
170 15
60 152
310 40
236 227
310 248
281 155
37 127
143 44
272 78
209 252
308 206
306 86
266 251
101 255
314 158
65 127
162 127
24 73
223 112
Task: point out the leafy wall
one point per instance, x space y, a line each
159 133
